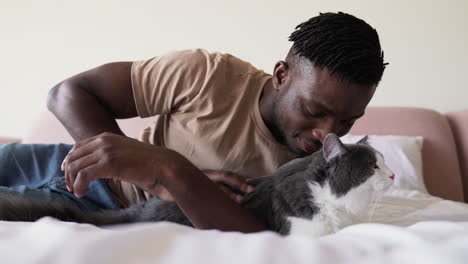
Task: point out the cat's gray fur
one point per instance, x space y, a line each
283 194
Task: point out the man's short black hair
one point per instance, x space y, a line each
343 44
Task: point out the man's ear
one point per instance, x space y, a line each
333 147
280 73
363 140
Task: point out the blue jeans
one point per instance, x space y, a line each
25 167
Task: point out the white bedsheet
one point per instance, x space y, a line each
408 234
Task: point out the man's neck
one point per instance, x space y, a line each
265 103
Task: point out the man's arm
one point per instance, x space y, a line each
205 204
88 103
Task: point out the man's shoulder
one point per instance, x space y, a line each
205 57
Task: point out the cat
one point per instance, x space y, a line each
317 194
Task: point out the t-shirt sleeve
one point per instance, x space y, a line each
170 82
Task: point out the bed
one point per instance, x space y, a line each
424 224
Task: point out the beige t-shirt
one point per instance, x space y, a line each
205 106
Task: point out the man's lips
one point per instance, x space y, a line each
309 146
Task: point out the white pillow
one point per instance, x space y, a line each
402 154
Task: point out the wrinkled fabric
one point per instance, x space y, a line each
424 229
37 167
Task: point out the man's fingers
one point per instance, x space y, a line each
78 146
79 165
64 160
214 175
75 146
234 196
84 177
67 180
74 155
82 150
235 181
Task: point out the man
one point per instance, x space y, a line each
213 112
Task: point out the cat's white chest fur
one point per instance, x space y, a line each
335 213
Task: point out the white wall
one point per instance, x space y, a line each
44 42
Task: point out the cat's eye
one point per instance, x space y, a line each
376 167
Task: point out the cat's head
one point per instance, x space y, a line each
354 166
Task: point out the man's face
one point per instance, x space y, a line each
312 103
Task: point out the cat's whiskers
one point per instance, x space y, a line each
376 198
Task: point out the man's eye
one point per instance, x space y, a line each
308 113
318 115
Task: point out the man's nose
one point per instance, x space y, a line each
321 132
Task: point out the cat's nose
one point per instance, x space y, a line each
392 176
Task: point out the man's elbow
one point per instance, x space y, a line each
57 95
52 97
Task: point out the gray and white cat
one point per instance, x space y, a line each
318 194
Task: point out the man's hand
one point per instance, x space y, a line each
234 185
112 156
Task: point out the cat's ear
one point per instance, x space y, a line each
363 140
333 147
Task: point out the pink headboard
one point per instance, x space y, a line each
459 122
47 129
441 167
8 140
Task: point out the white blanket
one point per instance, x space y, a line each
408 234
